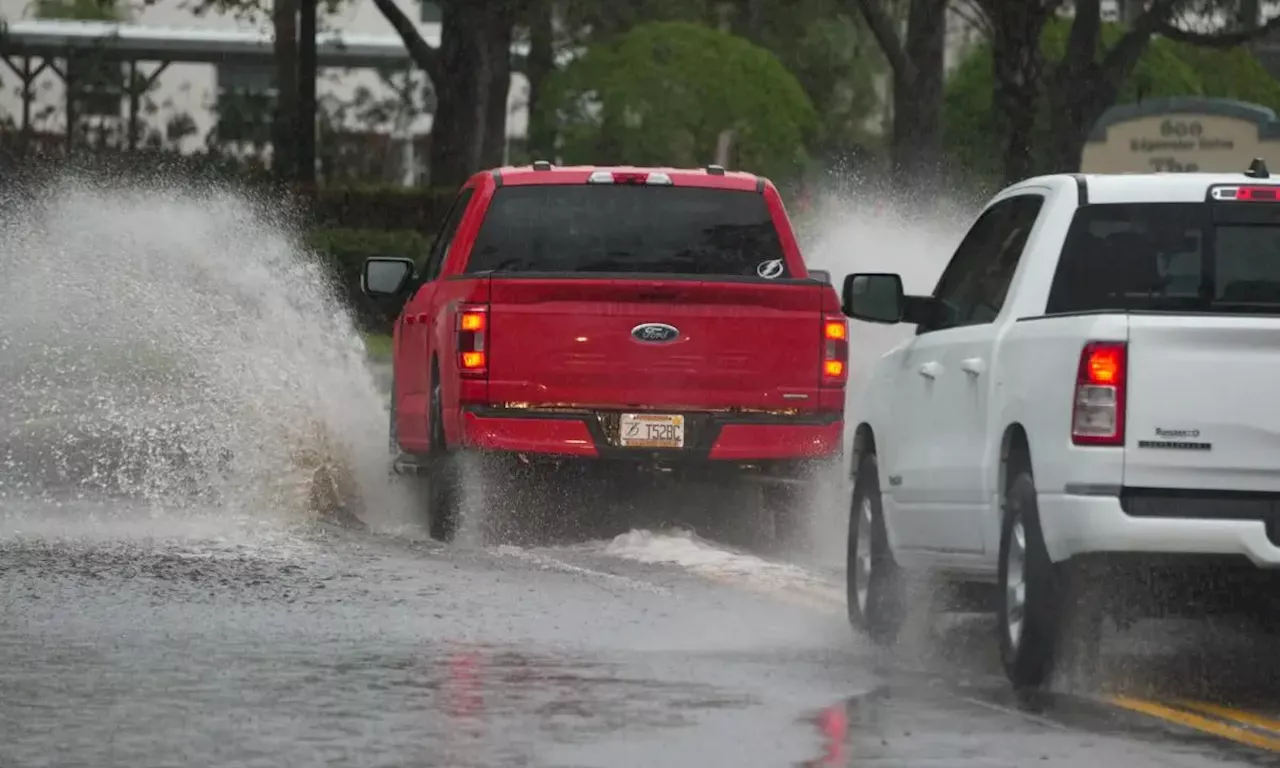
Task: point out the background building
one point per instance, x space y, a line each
229 102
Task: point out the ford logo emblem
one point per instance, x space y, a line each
655 333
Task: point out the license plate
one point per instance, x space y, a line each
652 430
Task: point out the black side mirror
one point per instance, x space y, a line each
385 278
874 298
821 275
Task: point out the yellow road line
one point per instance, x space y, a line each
1238 715
1198 722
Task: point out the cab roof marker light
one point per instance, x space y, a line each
600 177
660 179
1263 193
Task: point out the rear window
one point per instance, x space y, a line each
1177 257
625 229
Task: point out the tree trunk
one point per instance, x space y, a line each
285 20
917 94
1075 109
1081 87
475 58
306 170
1249 14
540 64
498 52
1018 70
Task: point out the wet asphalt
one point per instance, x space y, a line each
146 642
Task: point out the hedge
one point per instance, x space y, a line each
345 251
416 209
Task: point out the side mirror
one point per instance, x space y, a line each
874 298
821 275
385 278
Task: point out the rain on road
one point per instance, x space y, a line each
141 642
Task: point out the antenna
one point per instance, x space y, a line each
1258 169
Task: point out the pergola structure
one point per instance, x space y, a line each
30 47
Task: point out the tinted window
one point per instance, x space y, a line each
1169 256
444 238
628 229
972 290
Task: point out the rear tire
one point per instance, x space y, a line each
1030 596
876 585
444 474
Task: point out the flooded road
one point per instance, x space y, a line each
146 642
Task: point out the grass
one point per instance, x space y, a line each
378 347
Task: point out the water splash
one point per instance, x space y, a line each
861 229
175 346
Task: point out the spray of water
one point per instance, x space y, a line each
863 231
177 348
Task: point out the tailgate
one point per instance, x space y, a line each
604 342
1202 398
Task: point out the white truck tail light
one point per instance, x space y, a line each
1097 415
473 340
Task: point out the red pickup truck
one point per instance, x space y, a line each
639 318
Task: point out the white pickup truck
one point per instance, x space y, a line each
1090 405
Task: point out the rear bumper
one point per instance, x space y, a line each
1078 525
717 438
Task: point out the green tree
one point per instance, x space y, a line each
1086 79
828 49
665 92
974 128
832 54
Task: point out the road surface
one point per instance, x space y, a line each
131 640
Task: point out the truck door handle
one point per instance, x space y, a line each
973 366
931 369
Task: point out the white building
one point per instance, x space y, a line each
197 89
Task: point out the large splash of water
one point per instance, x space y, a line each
864 231
177 347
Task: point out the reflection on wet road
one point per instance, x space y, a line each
246 644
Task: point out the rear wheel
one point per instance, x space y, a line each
876 585
1032 607
444 474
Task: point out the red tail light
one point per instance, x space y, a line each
1097 416
473 338
835 350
